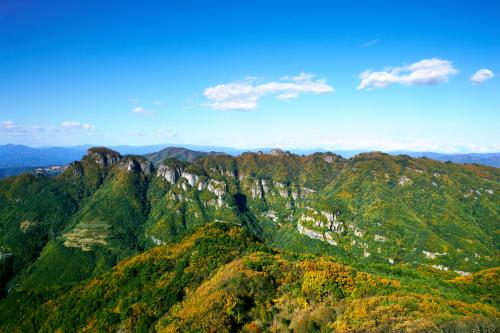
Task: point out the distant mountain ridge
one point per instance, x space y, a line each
181 154
15 159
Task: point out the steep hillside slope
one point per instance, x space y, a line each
220 279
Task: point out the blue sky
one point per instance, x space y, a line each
294 74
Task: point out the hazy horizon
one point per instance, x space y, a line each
306 150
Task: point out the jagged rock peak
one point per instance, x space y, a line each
329 157
279 152
103 156
134 163
171 170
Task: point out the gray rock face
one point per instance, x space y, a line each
333 224
169 173
357 231
156 240
309 232
282 189
76 169
329 158
219 189
192 179
279 152
202 185
132 164
146 167
103 156
271 214
329 239
265 186
257 190
403 180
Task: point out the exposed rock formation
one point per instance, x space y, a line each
192 179
136 164
170 173
103 156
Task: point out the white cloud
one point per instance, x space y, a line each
424 72
245 95
142 110
9 126
158 103
370 43
481 76
77 125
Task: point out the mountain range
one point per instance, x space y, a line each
256 242
15 159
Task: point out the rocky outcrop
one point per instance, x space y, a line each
271 214
202 185
317 219
136 164
330 158
169 172
192 179
329 239
103 156
357 231
403 180
309 232
24 226
279 152
326 237
156 240
282 189
333 224
431 255
75 169
219 189
257 190
265 186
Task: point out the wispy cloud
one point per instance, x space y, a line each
158 103
245 95
481 76
135 133
76 125
425 72
135 100
370 43
11 127
165 133
142 110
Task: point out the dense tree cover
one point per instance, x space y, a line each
232 253
221 279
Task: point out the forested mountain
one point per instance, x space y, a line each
179 153
258 242
16 159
